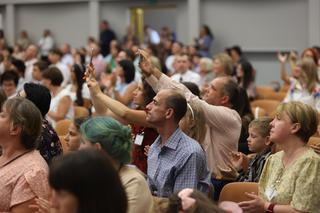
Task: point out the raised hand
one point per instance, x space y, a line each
145 63
282 58
293 56
90 78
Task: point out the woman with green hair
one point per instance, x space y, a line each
105 133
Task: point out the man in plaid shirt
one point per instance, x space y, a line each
175 161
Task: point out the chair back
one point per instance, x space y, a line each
269 106
62 126
259 112
235 192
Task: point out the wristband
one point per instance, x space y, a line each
270 208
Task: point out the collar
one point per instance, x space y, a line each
172 141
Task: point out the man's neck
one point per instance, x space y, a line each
166 131
182 72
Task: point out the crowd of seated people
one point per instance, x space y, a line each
169 127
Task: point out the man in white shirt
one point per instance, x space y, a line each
31 55
183 74
46 43
55 60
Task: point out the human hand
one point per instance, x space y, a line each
42 206
293 56
145 63
316 148
282 58
146 150
237 160
256 205
90 78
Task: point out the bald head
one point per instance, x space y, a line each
31 52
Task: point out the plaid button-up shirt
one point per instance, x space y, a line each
180 163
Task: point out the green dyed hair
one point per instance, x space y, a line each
113 137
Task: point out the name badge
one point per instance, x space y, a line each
138 140
270 193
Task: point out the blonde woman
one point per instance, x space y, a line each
305 88
290 180
222 65
205 71
193 123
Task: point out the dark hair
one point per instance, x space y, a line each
128 70
19 65
92 179
130 54
247 73
3 98
178 103
56 51
237 49
208 31
246 115
192 87
54 75
231 89
79 73
78 121
148 92
10 75
42 65
39 95
24 113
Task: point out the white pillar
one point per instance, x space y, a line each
314 25
193 19
94 18
10 24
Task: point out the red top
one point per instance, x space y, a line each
139 159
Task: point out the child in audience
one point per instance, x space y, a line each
259 143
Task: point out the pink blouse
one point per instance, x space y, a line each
23 179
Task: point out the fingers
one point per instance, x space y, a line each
251 195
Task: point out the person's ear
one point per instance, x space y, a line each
15 129
97 146
225 100
169 113
267 141
295 128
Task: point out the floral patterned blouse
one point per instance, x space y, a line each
298 185
49 143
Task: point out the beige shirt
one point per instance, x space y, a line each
297 185
223 129
138 193
22 180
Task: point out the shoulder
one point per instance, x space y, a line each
131 175
189 145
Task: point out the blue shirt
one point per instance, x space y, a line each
180 163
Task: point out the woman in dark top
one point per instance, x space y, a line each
49 144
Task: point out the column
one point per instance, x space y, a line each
94 18
193 19
9 28
314 25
